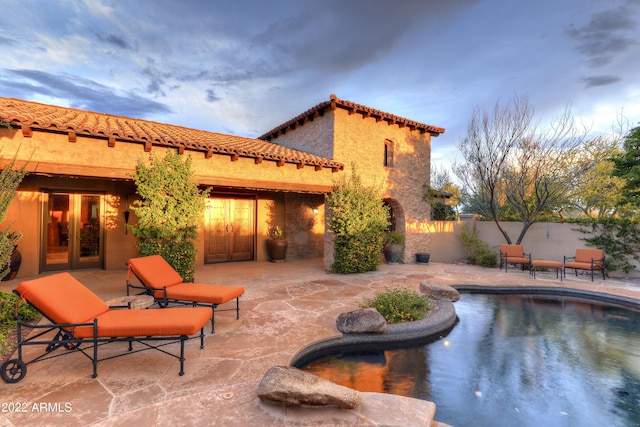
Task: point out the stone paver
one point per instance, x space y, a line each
286 307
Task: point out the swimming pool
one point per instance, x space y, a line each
514 360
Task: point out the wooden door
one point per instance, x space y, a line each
229 229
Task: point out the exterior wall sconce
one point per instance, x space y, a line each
315 211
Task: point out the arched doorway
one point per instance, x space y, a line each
396 218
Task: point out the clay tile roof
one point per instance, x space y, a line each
33 115
334 102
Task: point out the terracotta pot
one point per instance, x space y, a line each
277 249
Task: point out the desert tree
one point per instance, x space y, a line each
442 193
627 167
515 164
598 192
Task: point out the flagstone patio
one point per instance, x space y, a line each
286 307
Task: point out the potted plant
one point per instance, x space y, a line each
277 245
393 247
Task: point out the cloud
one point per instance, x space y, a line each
81 93
605 35
116 41
211 96
6 41
593 81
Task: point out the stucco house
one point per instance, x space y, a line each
73 205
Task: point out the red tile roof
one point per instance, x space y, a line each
35 116
353 108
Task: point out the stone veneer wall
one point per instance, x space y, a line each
360 141
304 226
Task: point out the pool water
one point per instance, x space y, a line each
514 361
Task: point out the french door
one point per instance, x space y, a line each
72 231
229 229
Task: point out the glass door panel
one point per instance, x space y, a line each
73 231
57 230
89 227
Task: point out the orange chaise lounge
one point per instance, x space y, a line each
160 280
81 321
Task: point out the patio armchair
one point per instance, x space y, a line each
513 254
158 279
79 321
589 259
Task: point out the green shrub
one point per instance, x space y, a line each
399 305
358 218
354 254
10 307
488 259
394 237
169 211
478 251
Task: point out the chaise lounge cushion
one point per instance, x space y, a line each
513 254
584 258
143 323
154 272
64 300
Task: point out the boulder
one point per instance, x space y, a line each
437 291
364 320
296 387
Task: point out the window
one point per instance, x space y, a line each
388 153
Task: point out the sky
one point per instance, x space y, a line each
243 67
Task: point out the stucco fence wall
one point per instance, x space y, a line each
544 240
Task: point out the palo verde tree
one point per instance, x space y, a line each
169 211
513 165
598 193
359 218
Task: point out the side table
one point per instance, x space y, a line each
132 302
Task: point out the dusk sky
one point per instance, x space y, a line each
243 67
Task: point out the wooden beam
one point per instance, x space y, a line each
111 142
27 132
208 154
300 165
258 160
72 136
318 168
280 163
147 146
235 157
